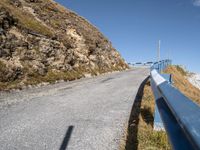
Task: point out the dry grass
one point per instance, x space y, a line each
3 70
140 133
25 19
181 82
147 137
33 78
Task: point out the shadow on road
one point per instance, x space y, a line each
66 138
132 135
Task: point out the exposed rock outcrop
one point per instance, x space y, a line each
40 41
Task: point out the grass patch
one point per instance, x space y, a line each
6 86
31 77
181 70
140 133
52 77
35 79
25 19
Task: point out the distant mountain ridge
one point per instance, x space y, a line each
41 41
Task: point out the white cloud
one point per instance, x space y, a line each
196 2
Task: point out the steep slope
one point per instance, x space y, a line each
181 82
41 41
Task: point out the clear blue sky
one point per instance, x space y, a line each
135 26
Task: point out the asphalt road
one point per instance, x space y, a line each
87 114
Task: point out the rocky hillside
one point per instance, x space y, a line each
41 41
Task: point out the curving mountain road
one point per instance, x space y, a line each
87 114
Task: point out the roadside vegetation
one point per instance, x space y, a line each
140 134
52 76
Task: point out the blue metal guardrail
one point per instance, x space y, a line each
180 116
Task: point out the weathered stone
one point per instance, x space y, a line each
5 53
9 73
1 31
33 1
6 20
16 3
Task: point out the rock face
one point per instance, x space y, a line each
40 41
